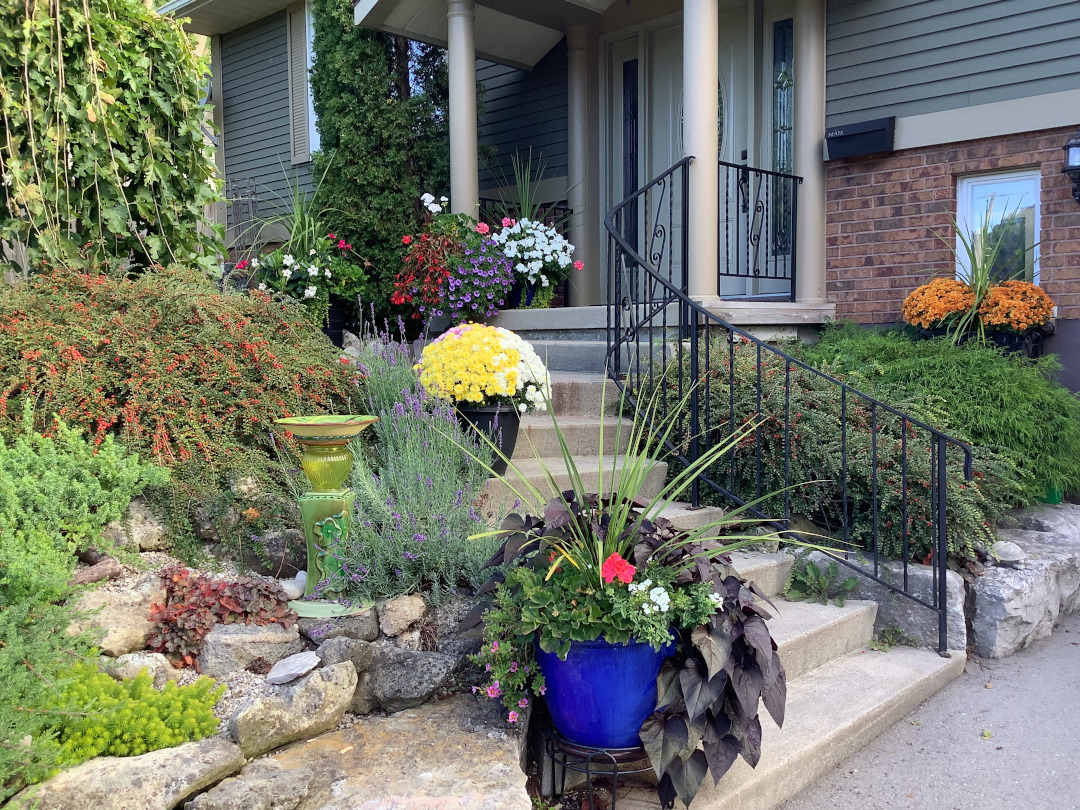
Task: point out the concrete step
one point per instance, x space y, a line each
538 438
809 634
498 496
770 571
575 393
832 711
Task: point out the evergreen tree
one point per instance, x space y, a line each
381 107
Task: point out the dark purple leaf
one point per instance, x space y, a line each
667 683
775 698
556 515
757 633
751 743
748 681
687 775
721 754
714 644
663 737
665 792
699 690
760 594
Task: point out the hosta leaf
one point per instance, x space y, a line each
699 690
667 684
687 775
714 643
663 737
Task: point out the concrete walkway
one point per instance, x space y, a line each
1005 735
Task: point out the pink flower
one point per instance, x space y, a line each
483 228
512 717
406 240
495 646
513 666
615 567
579 265
242 264
542 690
523 703
331 236
341 243
507 222
494 691
487 667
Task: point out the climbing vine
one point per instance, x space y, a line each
105 160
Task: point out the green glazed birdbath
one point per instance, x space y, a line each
327 507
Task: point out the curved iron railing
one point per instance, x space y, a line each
879 492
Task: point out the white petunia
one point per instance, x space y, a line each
310 292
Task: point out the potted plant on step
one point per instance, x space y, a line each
492 376
634 633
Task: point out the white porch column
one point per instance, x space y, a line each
701 82
809 137
586 286
461 64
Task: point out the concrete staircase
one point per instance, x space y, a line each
840 693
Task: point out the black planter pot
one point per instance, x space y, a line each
334 328
1029 343
501 423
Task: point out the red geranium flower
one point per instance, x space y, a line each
406 240
615 567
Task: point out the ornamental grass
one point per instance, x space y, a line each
181 372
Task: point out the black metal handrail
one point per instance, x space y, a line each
759 217
884 488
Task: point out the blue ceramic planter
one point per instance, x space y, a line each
602 693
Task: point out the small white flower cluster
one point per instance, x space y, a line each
659 598
429 203
533 380
289 262
537 250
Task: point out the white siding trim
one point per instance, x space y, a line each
989 120
300 125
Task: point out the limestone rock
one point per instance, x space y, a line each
1008 554
363 626
231 647
294 588
399 614
310 707
123 618
342 648
141 529
210 526
1012 607
895 610
293 667
401 679
351 345
363 700
245 486
262 785
159 780
441 755
278 553
126 667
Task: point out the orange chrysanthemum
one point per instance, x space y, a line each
1016 305
932 303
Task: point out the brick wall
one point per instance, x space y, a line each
882 214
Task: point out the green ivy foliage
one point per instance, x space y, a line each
381 103
105 160
56 495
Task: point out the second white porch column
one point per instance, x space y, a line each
701 83
809 137
584 225
461 65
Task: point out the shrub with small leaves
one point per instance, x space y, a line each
195 603
102 717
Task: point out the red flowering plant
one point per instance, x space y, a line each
453 267
609 565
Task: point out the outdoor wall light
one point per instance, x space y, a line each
1072 163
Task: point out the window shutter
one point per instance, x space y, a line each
299 129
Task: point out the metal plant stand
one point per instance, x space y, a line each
569 756
327 507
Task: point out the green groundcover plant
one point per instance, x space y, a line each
1002 402
186 375
56 495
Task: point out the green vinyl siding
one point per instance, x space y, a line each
888 57
255 112
523 109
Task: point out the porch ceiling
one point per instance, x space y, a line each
210 17
511 32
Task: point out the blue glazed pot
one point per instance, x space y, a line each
602 693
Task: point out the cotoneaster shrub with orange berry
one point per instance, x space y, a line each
179 371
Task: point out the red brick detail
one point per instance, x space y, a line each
882 215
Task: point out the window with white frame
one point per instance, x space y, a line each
303 132
1008 204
